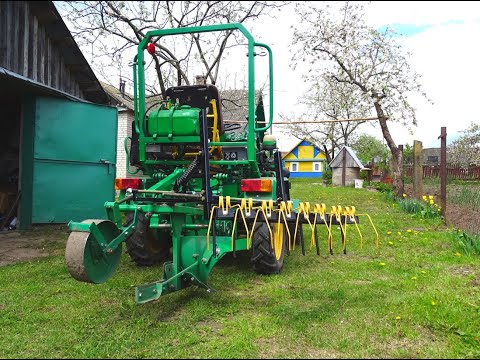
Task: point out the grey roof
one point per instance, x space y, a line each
126 100
337 160
234 102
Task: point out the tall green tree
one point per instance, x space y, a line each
336 44
367 147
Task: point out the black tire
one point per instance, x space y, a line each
263 257
143 247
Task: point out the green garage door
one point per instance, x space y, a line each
74 154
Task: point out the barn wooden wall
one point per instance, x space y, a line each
27 48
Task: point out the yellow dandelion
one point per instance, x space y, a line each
409 230
434 303
414 278
382 264
430 197
432 202
390 243
389 233
398 318
423 272
458 254
404 195
424 198
399 233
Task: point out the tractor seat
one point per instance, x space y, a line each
198 96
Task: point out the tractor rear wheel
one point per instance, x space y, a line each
265 259
147 247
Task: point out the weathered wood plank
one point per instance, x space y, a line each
8 33
34 46
41 54
3 33
14 61
48 58
26 34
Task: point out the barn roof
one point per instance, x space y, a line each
58 32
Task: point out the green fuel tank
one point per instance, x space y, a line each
181 120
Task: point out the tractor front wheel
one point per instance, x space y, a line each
265 258
145 246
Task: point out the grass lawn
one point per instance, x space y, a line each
417 297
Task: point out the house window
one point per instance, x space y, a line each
432 159
294 166
317 167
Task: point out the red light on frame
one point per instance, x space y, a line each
256 185
132 183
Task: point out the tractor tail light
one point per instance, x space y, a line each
256 185
122 184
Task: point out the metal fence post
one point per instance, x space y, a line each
443 172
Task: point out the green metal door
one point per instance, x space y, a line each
74 155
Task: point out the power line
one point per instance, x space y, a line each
309 121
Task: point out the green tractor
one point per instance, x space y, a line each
206 192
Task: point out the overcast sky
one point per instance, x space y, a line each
444 39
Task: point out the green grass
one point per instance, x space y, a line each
423 302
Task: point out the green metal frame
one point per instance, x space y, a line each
139 89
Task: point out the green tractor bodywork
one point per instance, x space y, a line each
191 165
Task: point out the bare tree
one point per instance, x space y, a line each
341 47
110 30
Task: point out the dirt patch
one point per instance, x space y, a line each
42 241
462 270
360 282
475 282
214 326
407 347
271 348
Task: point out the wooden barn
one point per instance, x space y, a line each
345 167
57 137
305 160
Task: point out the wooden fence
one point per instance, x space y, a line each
471 173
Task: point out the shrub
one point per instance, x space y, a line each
327 176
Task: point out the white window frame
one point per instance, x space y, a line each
291 166
319 166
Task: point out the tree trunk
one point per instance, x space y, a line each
327 154
397 155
